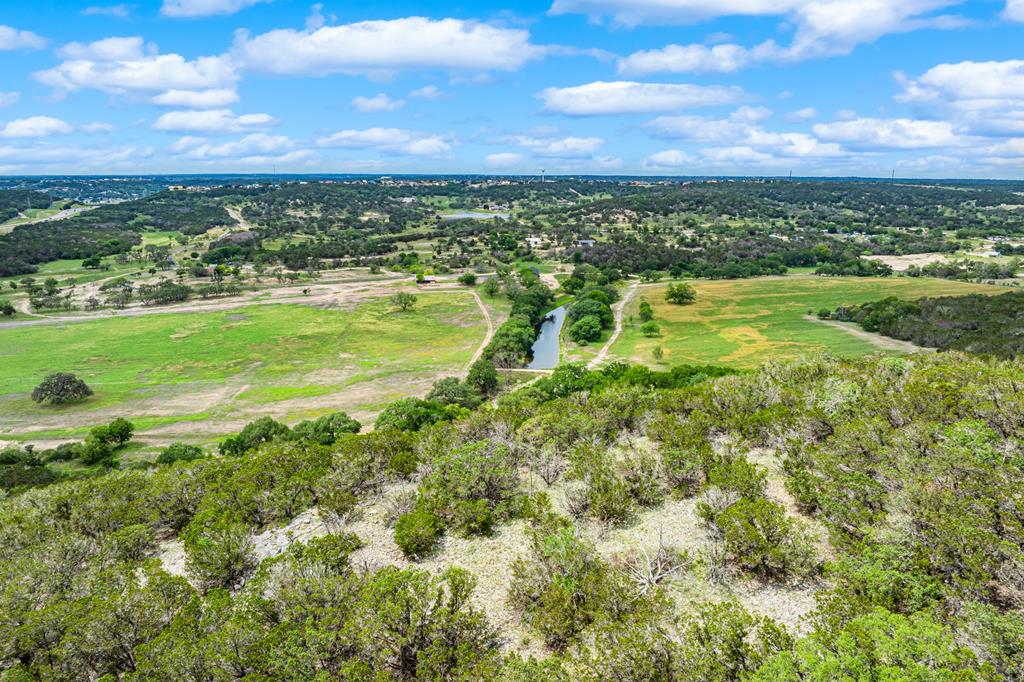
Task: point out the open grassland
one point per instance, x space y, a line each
196 376
743 323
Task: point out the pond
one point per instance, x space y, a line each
546 347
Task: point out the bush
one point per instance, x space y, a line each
646 312
221 554
467 278
760 538
327 429
179 452
263 430
412 414
586 329
451 391
471 487
120 431
61 388
417 533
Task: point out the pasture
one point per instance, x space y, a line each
199 375
744 323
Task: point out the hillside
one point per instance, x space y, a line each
788 523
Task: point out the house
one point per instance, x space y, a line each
585 242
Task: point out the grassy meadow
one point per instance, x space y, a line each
743 323
199 375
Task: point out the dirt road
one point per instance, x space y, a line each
490 329
876 340
620 312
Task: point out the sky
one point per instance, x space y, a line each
922 88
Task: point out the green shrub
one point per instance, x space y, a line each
650 329
179 452
761 539
327 429
263 430
220 555
417 533
585 330
61 388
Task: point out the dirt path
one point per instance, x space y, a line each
490 329
876 340
236 214
620 312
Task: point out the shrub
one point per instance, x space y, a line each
759 538
451 391
179 452
263 430
61 388
132 543
120 431
646 312
220 555
327 429
467 278
650 329
412 414
417 533
471 487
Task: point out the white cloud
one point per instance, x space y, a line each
258 149
823 28
894 133
670 158
213 121
14 39
981 97
1014 10
392 140
377 103
197 99
624 97
118 11
383 47
429 92
558 148
695 58
702 129
97 127
71 158
204 8
8 99
35 126
126 65
504 160
805 114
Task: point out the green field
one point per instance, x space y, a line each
199 375
744 323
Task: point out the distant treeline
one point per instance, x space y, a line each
14 201
986 325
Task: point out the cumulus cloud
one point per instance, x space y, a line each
557 148
980 97
8 99
71 158
257 148
384 47
805 114
204 8
429 92
702 129
1014 10
670 158
625 97
197 99
893 133
35 126
14 39
823 28
390 140
377 103
127 65
118 11
504 160
213 121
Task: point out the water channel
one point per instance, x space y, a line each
546 349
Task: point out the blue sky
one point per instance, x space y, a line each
930 88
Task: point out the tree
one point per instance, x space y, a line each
61 388
179 452
467 278
646 312
120 431
492 286
6 309
327 429
451 391
483 376
263 430
412 414
585 330
403 300
658 353
650 329
680 294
